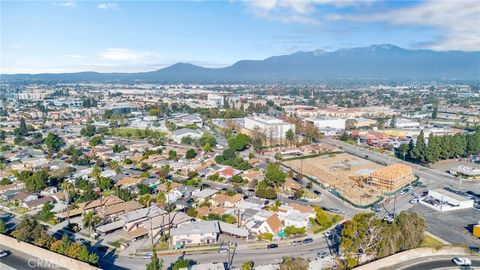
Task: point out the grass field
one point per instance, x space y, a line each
137 133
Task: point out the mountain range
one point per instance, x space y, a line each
376 62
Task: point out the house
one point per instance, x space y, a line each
128 181
25 197
272 225
226 200
173 196
228 172
168 186
206 266
251 203
120 208
202 194
296 219
91 206
290 185
133 218
205 211
59 196
177 135
48 191
37 203
251 175
196 233
17 185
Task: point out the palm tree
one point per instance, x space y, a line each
90 220
68 190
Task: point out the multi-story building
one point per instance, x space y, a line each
272 127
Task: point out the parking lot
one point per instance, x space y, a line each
452 226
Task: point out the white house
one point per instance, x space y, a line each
202 232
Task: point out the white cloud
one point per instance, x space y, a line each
121 54
69 4
457 21
106 6
301 11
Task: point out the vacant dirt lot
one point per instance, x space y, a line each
342 172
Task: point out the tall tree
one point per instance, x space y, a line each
419 151
53 143
23 127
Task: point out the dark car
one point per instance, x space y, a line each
204 185
272 246
307 240
317 192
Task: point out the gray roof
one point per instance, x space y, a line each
196 228
142 213
232 229
184 131
110 226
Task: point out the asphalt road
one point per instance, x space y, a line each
433 262
20 260
260 255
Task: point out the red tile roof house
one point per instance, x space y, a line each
272 225
228 172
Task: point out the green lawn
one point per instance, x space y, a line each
136 133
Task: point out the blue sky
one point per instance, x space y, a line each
67 36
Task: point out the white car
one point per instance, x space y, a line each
3 253
222 250
462 261
414 201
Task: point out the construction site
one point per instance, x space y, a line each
360 181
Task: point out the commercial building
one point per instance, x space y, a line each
215 100
327 122
272 127
444 200
406 123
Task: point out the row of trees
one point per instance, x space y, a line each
440 147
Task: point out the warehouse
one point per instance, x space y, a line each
444 200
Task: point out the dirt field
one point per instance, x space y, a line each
341 172
446 165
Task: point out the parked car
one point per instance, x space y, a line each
307 240
222 250
3 253
317 192
322 254
414 201
272 246
461 261
297 242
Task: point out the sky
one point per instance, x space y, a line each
130 36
